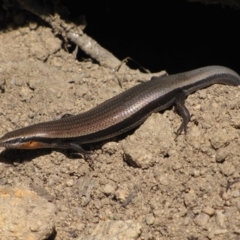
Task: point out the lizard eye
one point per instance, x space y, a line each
21 140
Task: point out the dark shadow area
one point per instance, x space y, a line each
12 156
174 35
53 236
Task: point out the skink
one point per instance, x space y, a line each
120 113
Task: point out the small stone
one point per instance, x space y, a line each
108 189
236 193
150 219
121 194
110 147
220 138
227 168
209 211
220 218
201 219
196 173
226 195
221 155
64 170
25 93
35 226
33 25
237 231
69 182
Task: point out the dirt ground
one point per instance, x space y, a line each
155 186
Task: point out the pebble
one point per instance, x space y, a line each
201 219
209 211
108 189
150 219
220 218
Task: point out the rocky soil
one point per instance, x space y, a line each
142 185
